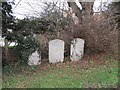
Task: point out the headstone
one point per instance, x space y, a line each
77 49
56 51
34 59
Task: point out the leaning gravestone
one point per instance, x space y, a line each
77 49
56 51
34 59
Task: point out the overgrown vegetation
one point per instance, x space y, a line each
26 47
100 32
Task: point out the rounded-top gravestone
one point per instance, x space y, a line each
77 49
56 51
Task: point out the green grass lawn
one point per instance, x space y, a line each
102 72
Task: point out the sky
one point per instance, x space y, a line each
29 7
34 7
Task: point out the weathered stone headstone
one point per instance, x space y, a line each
56 51
77 49
34 59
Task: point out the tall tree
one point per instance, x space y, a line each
87 8
7 23
75 9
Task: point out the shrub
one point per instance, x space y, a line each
26 47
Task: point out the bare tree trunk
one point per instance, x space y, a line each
58 34
75 9
6 51
87 8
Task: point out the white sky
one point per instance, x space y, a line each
34 7
24 9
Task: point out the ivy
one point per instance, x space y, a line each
27 46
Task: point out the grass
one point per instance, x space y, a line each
92 73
